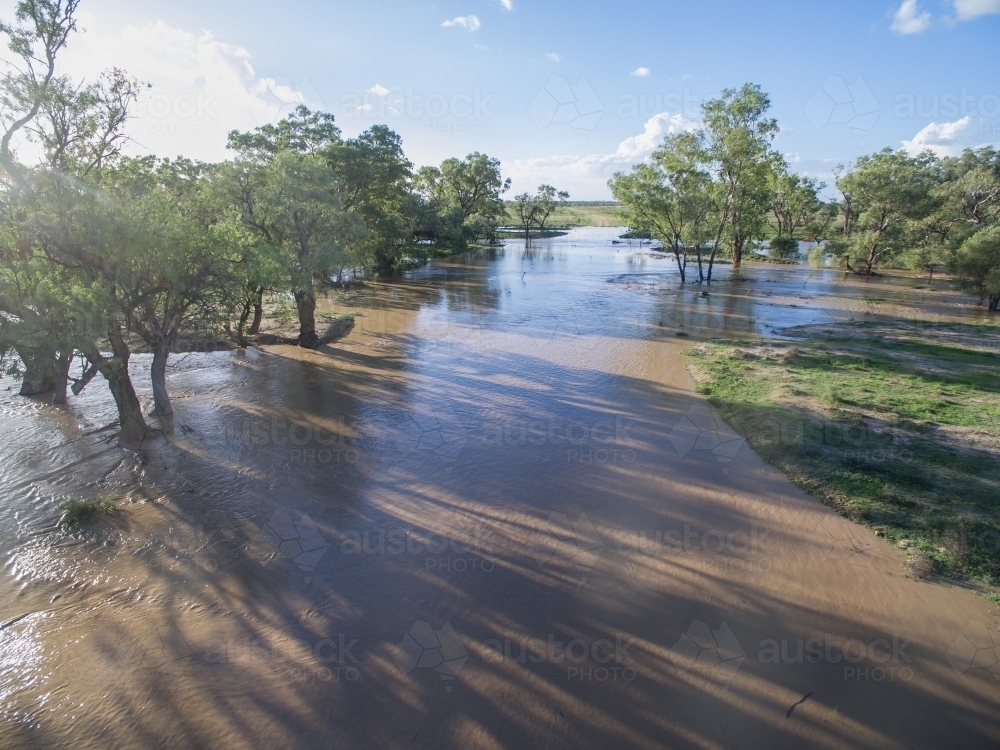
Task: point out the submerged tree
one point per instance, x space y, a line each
462 199
737 138
794 201
287 194
372 180
669 198
535 210
883 196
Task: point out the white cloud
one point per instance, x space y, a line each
202 87
507 4
948 138
968 9
378 90
586 176
640 72
469 23
908 18
638 147
553 56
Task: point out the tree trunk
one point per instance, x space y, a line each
241 325
994 302
158 376
115 370
133 425
711 263
258 312
677 257
63 363
36 380
39 370
305 301
737 251
870 261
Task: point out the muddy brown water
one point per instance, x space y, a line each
494 515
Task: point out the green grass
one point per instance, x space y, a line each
78 511
901 436
586 215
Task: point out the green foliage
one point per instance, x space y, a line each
795 204
372 179
77 511
670 198
886 194
303 132
461 202
783 247
738 136
977 265
535 210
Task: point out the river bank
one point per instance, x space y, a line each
895 426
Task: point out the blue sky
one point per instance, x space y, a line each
564 93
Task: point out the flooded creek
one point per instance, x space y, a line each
495 514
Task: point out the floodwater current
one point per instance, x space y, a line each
495 514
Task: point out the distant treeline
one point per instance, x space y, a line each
724 188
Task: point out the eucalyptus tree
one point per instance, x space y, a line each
545 201
175 271
885 196
464 197
372 179
38 34
90 239
524 207
976 265
794 200
36 37
670 197
52 284
737 137
536 209
967 196
287 194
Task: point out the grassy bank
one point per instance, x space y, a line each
598 214
896 431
